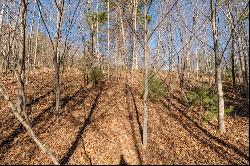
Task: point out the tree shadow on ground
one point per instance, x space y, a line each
7 143
36 100
78 97
205 136
136 111
44 115
65 159
10 122
236 98
132 126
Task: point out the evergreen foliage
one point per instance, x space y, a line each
203 97
156 89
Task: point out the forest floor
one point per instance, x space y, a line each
102 125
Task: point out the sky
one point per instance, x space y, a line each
157 8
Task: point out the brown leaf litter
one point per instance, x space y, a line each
103 125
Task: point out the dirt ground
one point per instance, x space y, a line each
103 125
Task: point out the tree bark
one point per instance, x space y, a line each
108 39
1 25
36 42
145 122
232 27
218 79
134 54
21 63
232 62
56 59
243 63
97 34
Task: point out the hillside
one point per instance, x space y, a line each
103 125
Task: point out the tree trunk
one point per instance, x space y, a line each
243 62
108 39
197 64
36 42
116 59
21 63
232 62
158 52
1 18
232 26
123 35
145 122
97 35
1 25
56 59
218 78
135 57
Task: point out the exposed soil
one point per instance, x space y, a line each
103 125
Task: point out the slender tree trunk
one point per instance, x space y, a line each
97 34
30 44
123 35
218 78
232 26
108 39
232 62
21 63
30 36
135 57
170 47
4 51
1 25
116 59
187 65
56 59
145 96
158 52
197 64
243 62
92 31
242 58
37 36
1 18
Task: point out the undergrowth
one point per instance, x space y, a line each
95 75
156 89
205 99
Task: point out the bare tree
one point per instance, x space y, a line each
218 79
134 54
21 62
56 57
36 39
145 96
